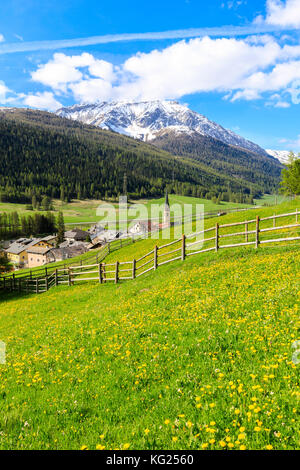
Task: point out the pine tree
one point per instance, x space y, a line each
60 228
34 201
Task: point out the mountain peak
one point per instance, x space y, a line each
146 120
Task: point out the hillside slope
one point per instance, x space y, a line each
44 153
224 158
194 356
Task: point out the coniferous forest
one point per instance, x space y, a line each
45 155
12 225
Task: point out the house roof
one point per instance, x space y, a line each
67 252
48 238
38 250
76 232
21 245
15 248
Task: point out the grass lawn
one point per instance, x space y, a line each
194 356
271 200
140 248
85 211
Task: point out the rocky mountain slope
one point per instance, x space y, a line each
151 119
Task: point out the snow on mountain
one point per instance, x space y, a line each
148 119
281 155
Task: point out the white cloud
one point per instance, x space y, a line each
1 38
92 90
44 100
283 13
63 70
196 66
279 78
282 104
58 72
4 91
248 69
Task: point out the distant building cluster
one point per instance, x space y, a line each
34 252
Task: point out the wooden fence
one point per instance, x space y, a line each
255 232
96 257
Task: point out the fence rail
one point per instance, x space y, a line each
254 234
97 257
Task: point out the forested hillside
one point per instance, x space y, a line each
42 154
224 158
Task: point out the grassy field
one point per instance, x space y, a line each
271 200
139 249
197 355
85 211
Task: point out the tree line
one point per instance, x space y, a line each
12 225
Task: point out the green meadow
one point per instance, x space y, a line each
85 211
197 355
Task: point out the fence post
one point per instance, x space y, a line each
257 233
56 279
117 272
100 273
183 248
217 236
37 285
274 221
155 257
46 281
20 287
46 271
296 216
14 281
246 232
69 276
133 268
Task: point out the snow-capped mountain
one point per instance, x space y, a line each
150 119
281 155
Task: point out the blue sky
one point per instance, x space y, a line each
240 66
